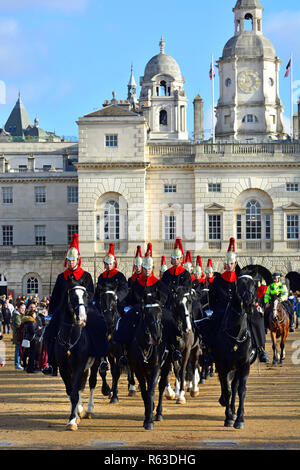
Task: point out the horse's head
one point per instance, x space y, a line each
108 301
277 308
77 302
246 292
182 303
152 315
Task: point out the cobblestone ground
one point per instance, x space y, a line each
34 411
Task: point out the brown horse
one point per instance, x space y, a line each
279 328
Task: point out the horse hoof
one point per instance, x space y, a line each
202 381
114 400
148 426
132 393
90 415
82 414
159 418
170 396
71 427
239 425
181 401
228 423
194 393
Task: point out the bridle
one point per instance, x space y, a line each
79 316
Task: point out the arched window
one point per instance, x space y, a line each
253 220
111 221
163 88
248 23
32 286
163 117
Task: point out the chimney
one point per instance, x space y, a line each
198 118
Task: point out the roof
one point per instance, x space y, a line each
18 120
248 44
111 111
162 64
248 4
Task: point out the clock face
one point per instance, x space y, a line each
248 81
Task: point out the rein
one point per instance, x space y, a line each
67 345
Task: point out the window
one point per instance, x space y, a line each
292 187
32 286
71 230
228 82
40 234
268 227
227 119
7 235
214 227
292 226
163 117
73 194
111 221
238 227
250 118
214 187
40 194
7 195
170 188
111 140
23 168
170 227
253 220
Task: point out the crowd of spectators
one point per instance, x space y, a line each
20 316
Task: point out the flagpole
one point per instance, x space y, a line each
213 98
292 102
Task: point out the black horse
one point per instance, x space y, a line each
188 343
108 307
150 358
231 351
72 352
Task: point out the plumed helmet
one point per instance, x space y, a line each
163 265
231 254
198 269
209 267
138 260
178 250
148 261
110 255
188 265
73 251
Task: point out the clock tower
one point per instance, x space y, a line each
249 108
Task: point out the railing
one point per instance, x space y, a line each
254 245
293 244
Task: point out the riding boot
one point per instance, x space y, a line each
262 354
104 367
176 354
292 323
123 360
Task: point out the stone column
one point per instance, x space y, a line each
198 118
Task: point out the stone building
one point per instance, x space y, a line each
139 177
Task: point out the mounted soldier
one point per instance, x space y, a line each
137 266
222 295
112 276
146 286
188 265
95 326
280 289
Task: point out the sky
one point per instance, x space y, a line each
66 57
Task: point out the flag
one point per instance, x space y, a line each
288 68
212 71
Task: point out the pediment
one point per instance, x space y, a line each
214 207
293 206
111 111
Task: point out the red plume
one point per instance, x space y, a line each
188 257
199 262
163 260
149 250
231 246
178 243
138 251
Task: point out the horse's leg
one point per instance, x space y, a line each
274 347
131 383
243 376
169 392
92 385
181 398
105 389
80 378
150 395
234 389
224 399
116 372
282 344
194 363
163 383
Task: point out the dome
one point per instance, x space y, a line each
162 64
248 4
248 45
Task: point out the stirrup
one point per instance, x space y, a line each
123 361
176 355
104 367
